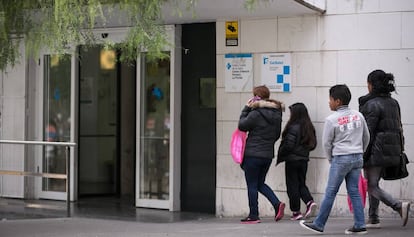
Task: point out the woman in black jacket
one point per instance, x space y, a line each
298 139
262 119
383 117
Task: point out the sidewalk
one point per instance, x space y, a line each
209 226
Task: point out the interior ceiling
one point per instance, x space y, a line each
213 10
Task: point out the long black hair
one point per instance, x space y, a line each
299 115
381 82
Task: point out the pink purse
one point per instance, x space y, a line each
237 145
363 188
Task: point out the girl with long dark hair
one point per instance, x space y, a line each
298 139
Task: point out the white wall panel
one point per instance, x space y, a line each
220 71
258 35
13 128
232 175
231 202
378 31
328 68
354 66
318 152
297 34
396 5
407 29
227 108
13 118
322 96
351 6
307 68
405 97
338 32
14 82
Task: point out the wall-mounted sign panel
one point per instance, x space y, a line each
232 33
276 71
238 76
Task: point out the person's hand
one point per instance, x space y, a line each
252 100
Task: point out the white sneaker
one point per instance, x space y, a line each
405 211
310 209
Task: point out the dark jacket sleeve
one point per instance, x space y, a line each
288 142
248 119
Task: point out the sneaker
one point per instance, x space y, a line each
404 211
296 216
310 226
280 211
250 220
373 224
310 208
353 230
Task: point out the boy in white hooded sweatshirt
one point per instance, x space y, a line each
345 138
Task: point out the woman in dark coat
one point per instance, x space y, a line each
298 139
262 119
383 116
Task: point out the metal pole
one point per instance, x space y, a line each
68 181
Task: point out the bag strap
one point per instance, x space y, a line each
401 128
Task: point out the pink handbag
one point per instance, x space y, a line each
237 144
363 188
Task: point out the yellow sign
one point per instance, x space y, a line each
232 33
232 29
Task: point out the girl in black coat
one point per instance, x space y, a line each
298 139
383 117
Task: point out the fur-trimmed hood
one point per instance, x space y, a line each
268 104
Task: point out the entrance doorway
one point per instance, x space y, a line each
198 119
125 119
107 119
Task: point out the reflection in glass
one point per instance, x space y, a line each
56 118
98 122
155 129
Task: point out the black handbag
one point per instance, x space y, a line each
396 172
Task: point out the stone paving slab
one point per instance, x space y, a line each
226 227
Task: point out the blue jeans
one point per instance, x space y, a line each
346 167
255 171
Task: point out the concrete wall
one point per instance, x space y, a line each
343 46
12 127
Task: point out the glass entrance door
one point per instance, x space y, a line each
154 135
56 121
158 154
